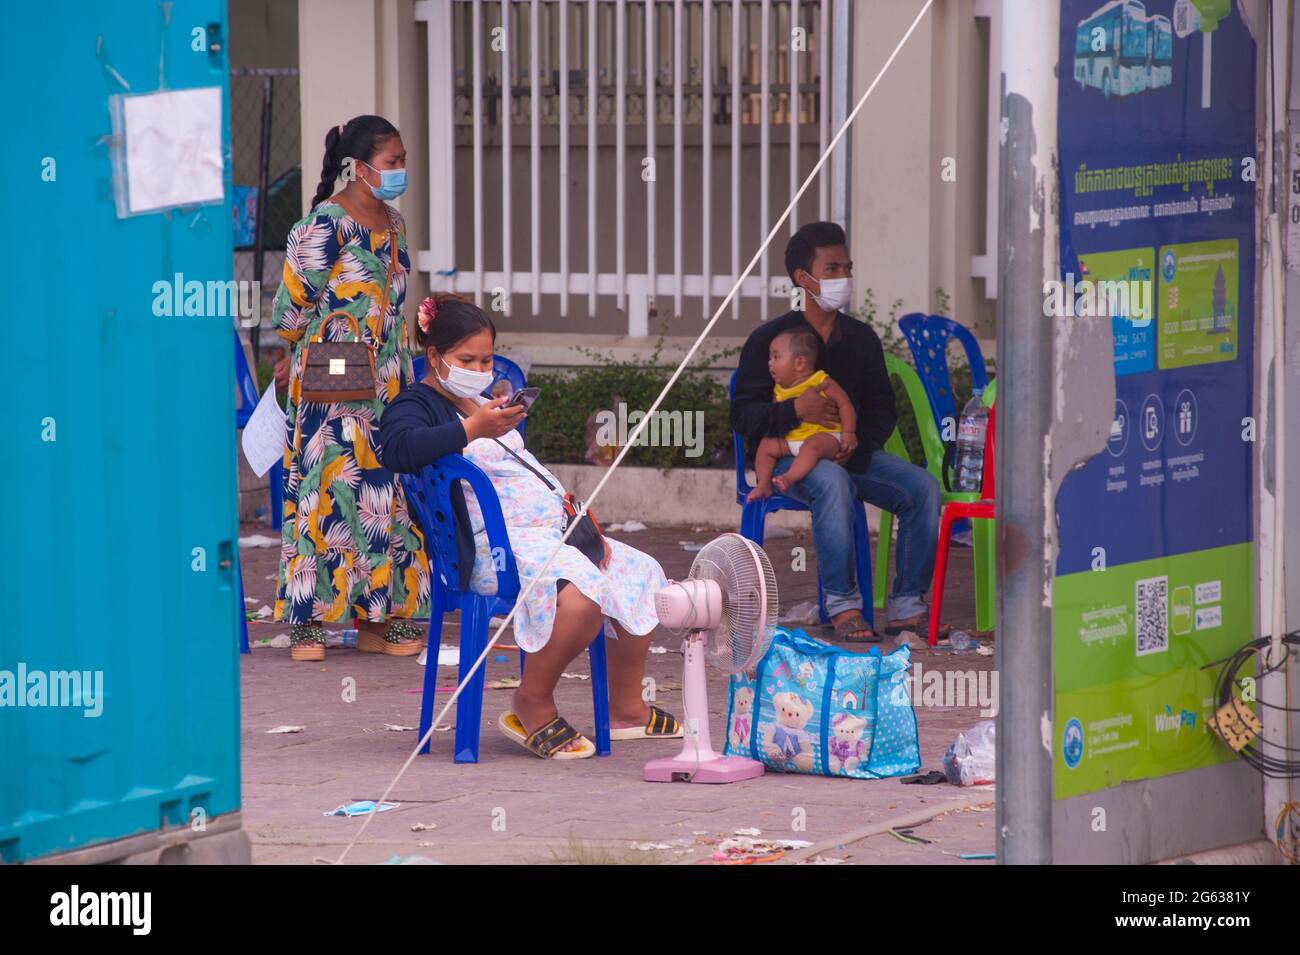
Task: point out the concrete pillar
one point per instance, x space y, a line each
366 56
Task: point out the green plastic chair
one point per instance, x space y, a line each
932 446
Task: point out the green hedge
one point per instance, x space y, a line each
558 423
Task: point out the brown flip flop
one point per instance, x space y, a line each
855 624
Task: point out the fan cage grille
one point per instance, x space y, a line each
744 574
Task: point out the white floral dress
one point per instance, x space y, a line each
534 517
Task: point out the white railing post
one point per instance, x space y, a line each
824 99
792 64
564 157
737 11
985 265
442 148
593 98
480 264
650 72
620 156
679 31
706 154
507 81
535 153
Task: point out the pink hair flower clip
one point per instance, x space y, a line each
428 312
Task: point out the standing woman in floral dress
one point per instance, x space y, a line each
349 547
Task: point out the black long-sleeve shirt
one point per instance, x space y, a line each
852 355
417 428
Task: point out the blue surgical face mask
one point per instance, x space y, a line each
392 183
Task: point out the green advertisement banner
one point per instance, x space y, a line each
1132 698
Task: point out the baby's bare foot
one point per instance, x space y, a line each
760 491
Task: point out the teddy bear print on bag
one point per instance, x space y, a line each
846 749
742 717
786 742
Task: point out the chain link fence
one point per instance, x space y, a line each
265 113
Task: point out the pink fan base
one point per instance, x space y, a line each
720 769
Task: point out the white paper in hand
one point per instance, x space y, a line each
265 435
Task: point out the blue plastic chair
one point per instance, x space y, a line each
753 519
502 368
927 337
248 399
428 495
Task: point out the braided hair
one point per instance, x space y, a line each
359 138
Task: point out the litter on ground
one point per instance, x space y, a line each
805 612
286 729
411 860
627 527
259 540
743 850
363 808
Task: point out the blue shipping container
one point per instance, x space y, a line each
119 507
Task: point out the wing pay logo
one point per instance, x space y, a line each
103 908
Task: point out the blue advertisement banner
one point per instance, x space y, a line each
1157 203
1153 578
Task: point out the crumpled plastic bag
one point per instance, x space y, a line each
972 758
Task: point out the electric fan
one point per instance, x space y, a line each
726 611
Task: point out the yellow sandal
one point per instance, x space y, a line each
547 742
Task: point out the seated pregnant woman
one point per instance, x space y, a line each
446 413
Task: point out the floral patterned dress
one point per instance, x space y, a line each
348 546
534 517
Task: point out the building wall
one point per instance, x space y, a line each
911 233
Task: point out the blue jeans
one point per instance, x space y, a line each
910 493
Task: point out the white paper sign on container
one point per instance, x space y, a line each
167 150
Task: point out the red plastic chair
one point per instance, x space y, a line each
983 509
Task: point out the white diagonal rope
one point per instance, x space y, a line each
636 433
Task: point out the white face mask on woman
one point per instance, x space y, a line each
464 382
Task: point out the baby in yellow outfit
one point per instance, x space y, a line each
791 360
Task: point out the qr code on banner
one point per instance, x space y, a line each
1152 615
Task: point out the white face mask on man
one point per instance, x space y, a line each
835 294
464 382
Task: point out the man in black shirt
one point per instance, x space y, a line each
818 261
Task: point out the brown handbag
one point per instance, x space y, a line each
344 371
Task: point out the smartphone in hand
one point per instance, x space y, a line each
524 396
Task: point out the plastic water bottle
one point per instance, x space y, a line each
349 638
959 640
972 430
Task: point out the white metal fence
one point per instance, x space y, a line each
586 86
